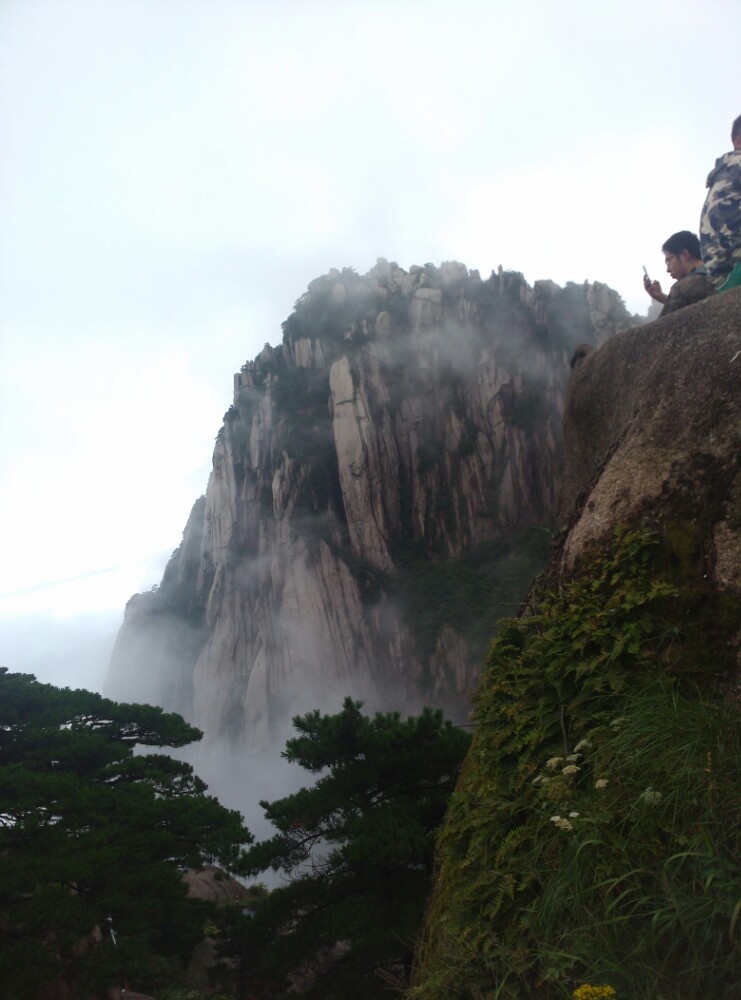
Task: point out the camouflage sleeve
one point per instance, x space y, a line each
720 225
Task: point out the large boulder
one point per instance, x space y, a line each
652 427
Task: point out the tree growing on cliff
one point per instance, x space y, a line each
94 837
358 847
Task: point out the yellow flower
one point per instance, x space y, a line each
588 992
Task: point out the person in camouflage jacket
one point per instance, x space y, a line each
691 283
720 223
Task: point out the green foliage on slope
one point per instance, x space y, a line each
358 847
469 594
89 830
595 833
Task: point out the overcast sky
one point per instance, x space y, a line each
173 173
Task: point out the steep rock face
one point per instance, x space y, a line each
381 490
652 426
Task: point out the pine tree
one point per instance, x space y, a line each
94 837
358 849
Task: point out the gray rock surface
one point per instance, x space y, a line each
652 423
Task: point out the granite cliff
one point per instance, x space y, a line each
384 486
652 427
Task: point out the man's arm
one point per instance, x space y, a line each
654 290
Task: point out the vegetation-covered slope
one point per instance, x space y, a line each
595 833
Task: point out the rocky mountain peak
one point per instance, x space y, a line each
384 486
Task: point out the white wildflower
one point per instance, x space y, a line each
651 797
601 783
540 780
570 769
572 757
553 763
561 822
582 745
573 815
617 723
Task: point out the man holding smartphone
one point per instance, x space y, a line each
684 263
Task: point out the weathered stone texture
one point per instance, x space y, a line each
652 424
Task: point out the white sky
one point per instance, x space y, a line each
173 173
